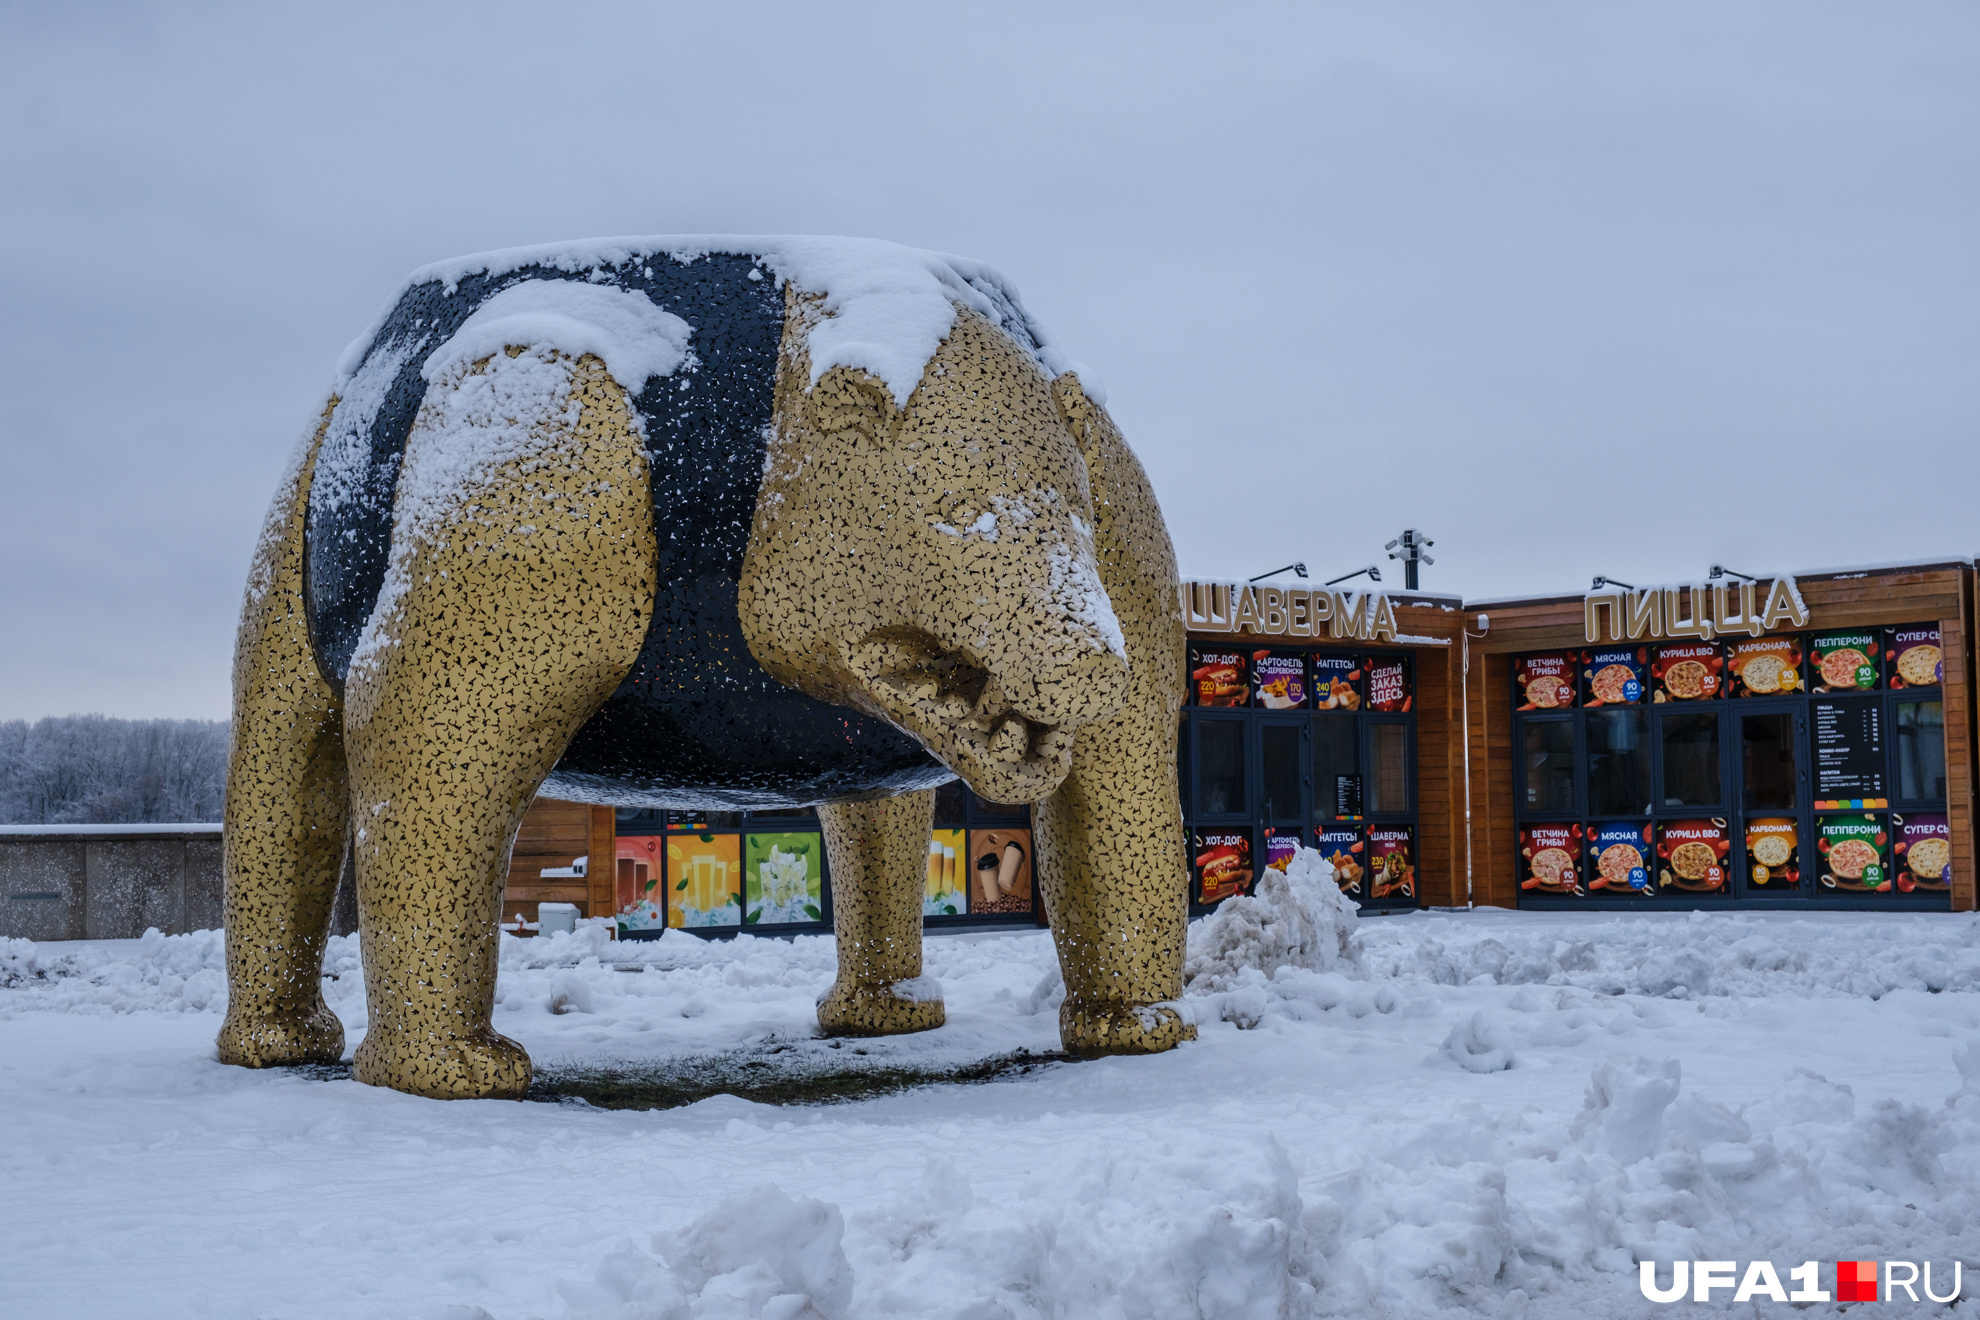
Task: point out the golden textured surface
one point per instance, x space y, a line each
525 602
524 607
941 566
865 585
878 852
286 809
1112 859
933 565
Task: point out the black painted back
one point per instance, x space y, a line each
697 723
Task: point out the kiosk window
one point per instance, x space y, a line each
1618 763
1921 749
1691 759
1766 748
1279 748
1334 755
1550 765
1388 747
1220 767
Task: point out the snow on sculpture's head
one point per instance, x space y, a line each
923 547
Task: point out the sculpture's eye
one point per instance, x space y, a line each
854 406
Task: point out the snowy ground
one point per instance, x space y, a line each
1485 1114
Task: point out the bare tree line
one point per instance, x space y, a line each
95 770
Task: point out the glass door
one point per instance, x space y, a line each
1770 762
1694 816
1285 776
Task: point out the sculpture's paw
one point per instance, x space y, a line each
484 1066
271 1041
882 1010
1112 1029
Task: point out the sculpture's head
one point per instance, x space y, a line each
932 561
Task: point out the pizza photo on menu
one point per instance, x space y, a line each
1614 677
1844 662
1685 671
1764 667
1852 851
1691 856
1619 859
1916 658
1545 682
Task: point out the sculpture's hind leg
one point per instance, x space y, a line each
286 810
879 855
521 587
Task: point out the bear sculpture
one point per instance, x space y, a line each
699 523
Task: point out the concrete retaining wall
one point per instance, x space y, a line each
108 882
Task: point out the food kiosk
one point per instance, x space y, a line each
1799 742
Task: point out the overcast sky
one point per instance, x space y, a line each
1574 288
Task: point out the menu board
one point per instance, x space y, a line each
1849 754
1773 852
1347 796
945 892
704 880
783 878
1763 667
1550 859
1280 850
1336 682
1691 856
1278 680
1843 662
1391 862
1222 863
1218 677
1923 849
1914 657
1613 677
1343 849
1545 682
1388 683
1619 858
1685 671
1000 871
1854 854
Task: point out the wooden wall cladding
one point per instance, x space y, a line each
552 834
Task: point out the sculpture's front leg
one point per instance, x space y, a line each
1112 862
879 856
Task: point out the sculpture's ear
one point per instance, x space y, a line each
855 406
1087 420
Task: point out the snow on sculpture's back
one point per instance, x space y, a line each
700 523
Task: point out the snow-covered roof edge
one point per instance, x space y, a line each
889 306
1915 565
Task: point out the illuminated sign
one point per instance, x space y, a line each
1692 609
1229 607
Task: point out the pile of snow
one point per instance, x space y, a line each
155 974
1684 955
1297 918
759 1255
